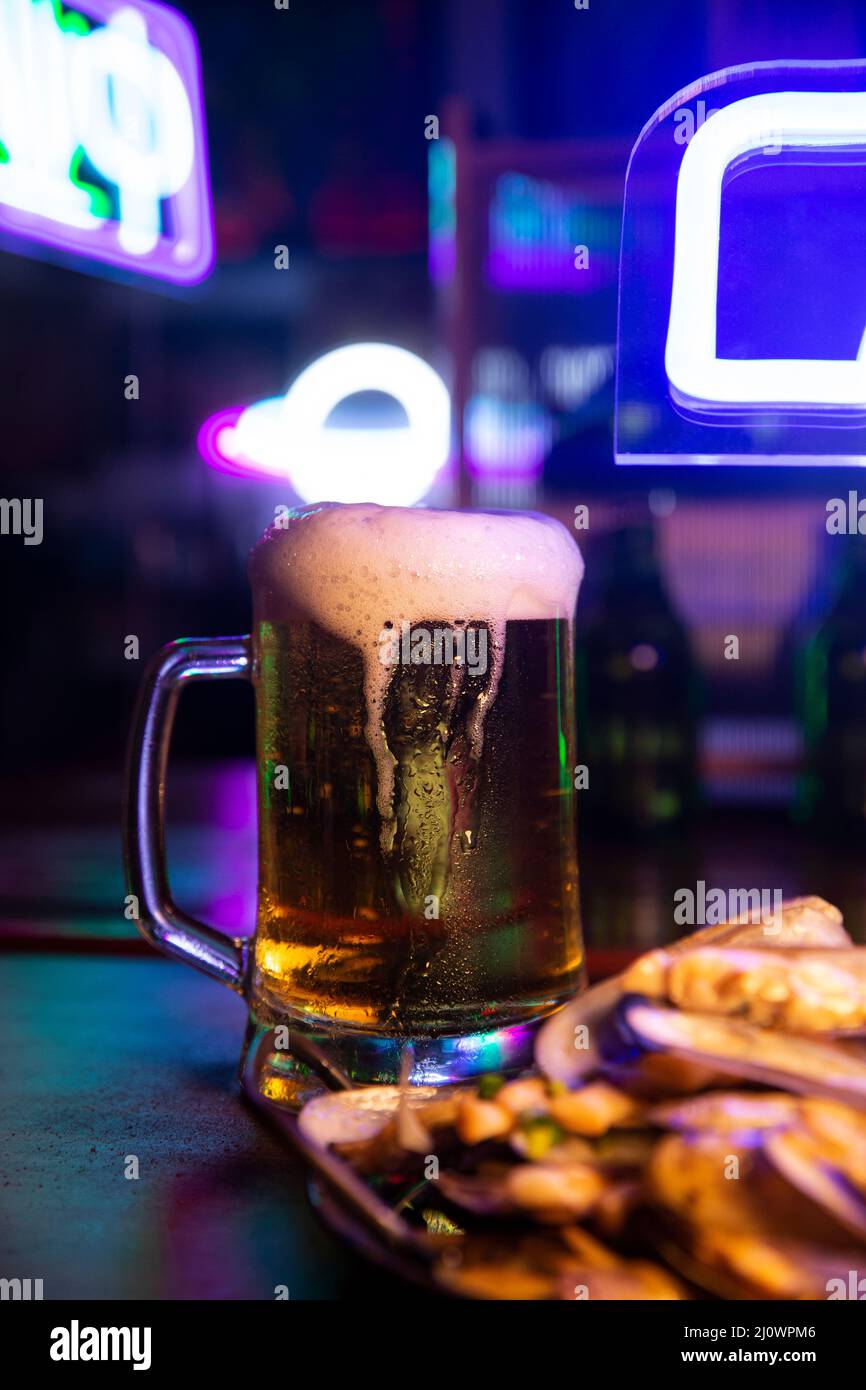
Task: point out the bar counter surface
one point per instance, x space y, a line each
115 1061
108 1059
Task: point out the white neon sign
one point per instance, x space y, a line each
803 121
289 436
113 85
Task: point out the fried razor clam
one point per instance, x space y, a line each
798 991
565 1264
838 1128
551 1193
818 1147
729 1112
638 1281
774 1268
833 1070
350 1117
710 1182
382 1129
831 1177
801 922
808 921
657 1076
566 1047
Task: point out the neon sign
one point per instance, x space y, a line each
742 333
774 122
102 135
289 436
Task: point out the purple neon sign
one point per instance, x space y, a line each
103 150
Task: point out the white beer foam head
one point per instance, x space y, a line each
351 569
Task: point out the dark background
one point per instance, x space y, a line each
315 123
316 131
747 773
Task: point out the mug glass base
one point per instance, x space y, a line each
294 1061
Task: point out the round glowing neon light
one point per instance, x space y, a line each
289 437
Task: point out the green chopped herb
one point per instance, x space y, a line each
540 1133
490 1085
440 1225
557 1088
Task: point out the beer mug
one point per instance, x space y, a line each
415 732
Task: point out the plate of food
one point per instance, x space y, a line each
692 1128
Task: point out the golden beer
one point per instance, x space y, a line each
416 754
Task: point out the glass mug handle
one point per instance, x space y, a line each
159 919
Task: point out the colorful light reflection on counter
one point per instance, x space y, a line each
102 135
289 436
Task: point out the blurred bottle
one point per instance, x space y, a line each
636 697
831 700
